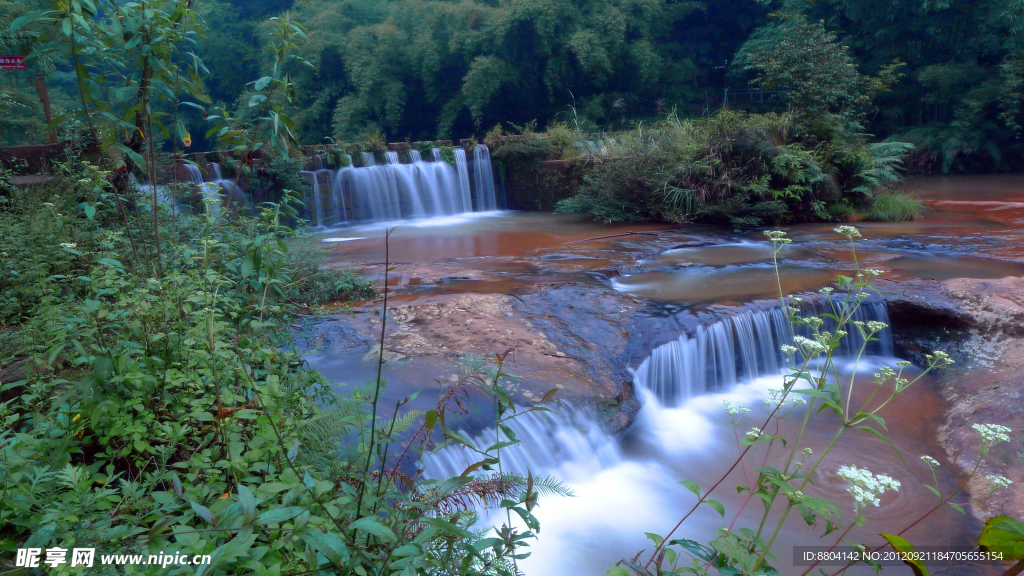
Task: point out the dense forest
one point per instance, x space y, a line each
422 69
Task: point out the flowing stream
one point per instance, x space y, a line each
706 334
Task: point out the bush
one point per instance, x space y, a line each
162 411
894 207
737 169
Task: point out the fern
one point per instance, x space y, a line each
884 171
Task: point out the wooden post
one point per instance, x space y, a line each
44 97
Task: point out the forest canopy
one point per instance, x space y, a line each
428 69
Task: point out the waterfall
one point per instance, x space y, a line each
216 188
548 439
396 191
463 169
194 174
483 179
317 212
435 153
743 347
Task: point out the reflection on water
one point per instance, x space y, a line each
947 267
698 284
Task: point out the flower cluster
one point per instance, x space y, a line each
735 410
826 291
848 231
998 482
931 462
777 237
992 434
810 347
755 433
778 399
876 326
787 349
68 245
939 359
865 487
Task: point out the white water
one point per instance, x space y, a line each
628 485
483 179
401 192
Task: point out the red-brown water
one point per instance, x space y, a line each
973 229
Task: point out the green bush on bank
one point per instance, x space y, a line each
738 169
161 409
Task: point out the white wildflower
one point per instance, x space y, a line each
998 482
931 462
807 452
809 346
939 359
876 326
787 349
992 434
68 245
903 364
755 432
848 231
797 401
777 237
865 487
884 375
735 410
873 272
826 291
814 322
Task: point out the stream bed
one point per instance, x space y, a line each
647 329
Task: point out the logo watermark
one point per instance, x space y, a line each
86 557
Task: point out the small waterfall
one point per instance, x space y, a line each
368 159
463 169
194 174
742 347
391 157
548 439
483 179
414 156
435 153
216 171
317 212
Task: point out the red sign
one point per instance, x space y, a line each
13 63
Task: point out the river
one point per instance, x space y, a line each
683 312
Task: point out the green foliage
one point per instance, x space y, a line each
166 412
894 207
733 168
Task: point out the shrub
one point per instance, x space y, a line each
894 207
164 411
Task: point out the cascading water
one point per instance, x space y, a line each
194 173
462 166
483 179
627 485
317 211
743 347
435 154
548 439
396 191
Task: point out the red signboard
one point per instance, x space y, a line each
12 63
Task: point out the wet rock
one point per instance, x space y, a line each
981 323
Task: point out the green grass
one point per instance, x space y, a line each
894 207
